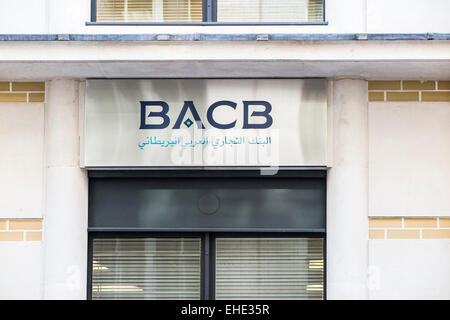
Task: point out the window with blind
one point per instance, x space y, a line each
225 11
269 268
269 10
149 11
244 268
146 268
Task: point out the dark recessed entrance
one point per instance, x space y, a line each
206 235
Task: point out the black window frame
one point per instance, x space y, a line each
209 18
208 245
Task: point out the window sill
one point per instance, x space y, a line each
323 23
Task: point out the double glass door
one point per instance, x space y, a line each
206 266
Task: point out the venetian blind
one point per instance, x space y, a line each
149 10
269 268
269 10
150 268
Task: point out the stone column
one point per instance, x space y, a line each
347 192
66 203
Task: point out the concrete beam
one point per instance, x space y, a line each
159 51
226 69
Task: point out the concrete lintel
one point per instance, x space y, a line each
422 70
226 37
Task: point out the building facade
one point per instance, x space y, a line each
352 100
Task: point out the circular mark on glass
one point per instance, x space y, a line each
208 203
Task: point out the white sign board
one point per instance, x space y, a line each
205 122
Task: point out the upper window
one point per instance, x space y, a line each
269 10
149 11
222 11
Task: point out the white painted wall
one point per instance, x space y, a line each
23 16
408 16
349 16
68 16
21 160
409 269
21 270
409 175
409 159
